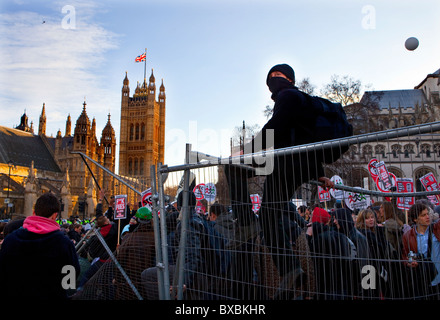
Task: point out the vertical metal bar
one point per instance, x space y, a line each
184 224
164 242
159 258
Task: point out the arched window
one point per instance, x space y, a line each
367 150
131 132
141 166
135 170
143 131
426 149
380 149
408 149
396 150
137 131
437 149
130 166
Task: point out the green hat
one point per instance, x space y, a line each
144 213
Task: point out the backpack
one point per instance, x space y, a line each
331 123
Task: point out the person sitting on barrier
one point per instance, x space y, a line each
293 123
420 244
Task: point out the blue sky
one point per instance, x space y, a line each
213 57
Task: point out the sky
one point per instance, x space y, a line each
212 56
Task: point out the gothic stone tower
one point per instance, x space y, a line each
85 141
142 136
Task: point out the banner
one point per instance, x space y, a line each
384 180
200 208
120 206
199 191
405 185
372 168
335 193
256 202
430 184
323 194
205 191
357 200
146 199
210 192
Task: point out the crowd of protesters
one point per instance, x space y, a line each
375 253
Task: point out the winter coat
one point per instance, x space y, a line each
32 259
225 225
110 234
331 252
136 253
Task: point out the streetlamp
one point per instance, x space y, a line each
10 165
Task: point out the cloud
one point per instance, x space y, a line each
52 63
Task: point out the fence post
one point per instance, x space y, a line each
164 241
180 266
159 258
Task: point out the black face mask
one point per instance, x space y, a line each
276 84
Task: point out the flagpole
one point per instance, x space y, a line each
145 65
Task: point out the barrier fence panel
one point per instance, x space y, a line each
233 228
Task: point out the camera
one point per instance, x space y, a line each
413 256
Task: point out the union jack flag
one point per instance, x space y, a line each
141 58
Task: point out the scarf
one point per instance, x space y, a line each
277 84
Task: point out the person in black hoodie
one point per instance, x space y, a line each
33 258
292 124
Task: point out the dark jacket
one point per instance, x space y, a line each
347 227
31 265
331 253
110 234
73 235
136 253
293 122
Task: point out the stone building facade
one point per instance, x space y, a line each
406 157
32 164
